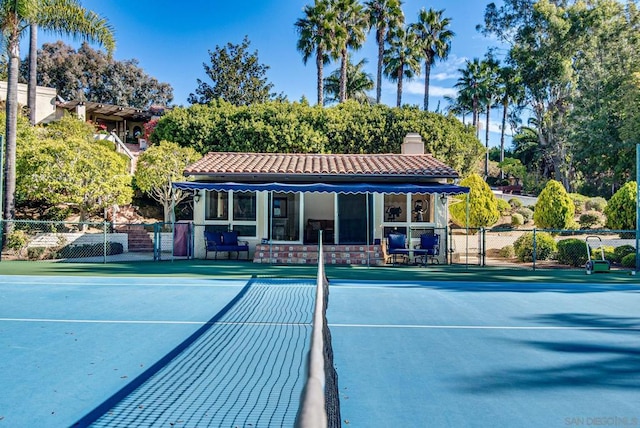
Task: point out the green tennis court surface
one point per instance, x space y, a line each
189 351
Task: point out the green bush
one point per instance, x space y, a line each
36 253
629 261
515 203
517 219
507 252
545 246
621 209
503 206
17 240
483 205
590 219
621 252
572 252
596 204
526 213
554 209
579 202
89 250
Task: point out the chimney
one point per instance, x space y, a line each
412 144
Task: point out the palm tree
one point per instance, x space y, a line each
33 72
489 69
402 58
316 37
384 15
469 83
511 92
349 32
434 37
358 83
459 105
65 17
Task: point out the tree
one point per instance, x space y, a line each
434 37
509 93
621 208
65 17
314 31
384 15
554 209
90 75
67 167
349 33
402 59
158 167
358 83
469 87
483 205
489 69
237 77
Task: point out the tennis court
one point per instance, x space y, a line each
179 351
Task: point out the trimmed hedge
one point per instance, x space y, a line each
545 246
572 252
621 252
89 250
629 261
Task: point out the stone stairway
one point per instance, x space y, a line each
138 237
308 254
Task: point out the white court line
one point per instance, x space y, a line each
479 327
72 321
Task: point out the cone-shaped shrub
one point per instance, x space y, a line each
483 205
554 209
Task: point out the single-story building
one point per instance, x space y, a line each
285 199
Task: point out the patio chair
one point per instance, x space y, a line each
397 246
428 248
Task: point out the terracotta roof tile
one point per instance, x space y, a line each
218 163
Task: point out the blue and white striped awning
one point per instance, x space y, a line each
394 188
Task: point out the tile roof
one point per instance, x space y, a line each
330 165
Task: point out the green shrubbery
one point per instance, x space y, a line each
629 261
621 252
579 202
554 209
517 219
507 252
621 209
503 206
483 205
572 252
596 204
526 213
590 219
89 250
515 203
545 246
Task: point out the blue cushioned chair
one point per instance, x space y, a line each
429 248
397 246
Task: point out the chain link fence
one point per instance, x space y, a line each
91 242
516 248
541 248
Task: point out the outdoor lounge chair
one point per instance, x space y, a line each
428 249
225 242
397 246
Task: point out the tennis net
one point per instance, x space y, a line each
320 403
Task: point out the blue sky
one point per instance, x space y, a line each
171 41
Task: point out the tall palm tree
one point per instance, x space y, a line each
402 58
384 15
459 105
358 83
470 83
33 71
435 38
65 17
489 88
349 33
316 37
511 92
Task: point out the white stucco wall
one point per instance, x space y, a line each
45 100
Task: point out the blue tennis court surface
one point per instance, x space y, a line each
178 352
486 355
152 353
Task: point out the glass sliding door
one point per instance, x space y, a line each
285 216
352 219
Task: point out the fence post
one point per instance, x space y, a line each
157 244
483 246
104 242
534 255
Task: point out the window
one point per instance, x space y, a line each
217 205
421 208
395 208
241 218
